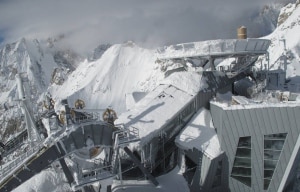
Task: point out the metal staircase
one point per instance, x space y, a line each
122 138
105 170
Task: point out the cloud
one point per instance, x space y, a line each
149 23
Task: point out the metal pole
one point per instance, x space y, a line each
268 63
120 168
33 134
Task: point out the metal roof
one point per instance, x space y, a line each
215 49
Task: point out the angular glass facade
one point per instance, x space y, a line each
218 177
273 145
241 169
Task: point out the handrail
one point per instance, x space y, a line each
88 117
94 176
214 47
16 162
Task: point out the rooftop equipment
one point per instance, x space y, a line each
242 32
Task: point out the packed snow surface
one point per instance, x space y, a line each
285 43
49 180
200 134
214 47
126 69
122 69
154 111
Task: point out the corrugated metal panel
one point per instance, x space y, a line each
295 113
217 113
257 122
205 167
288 125
203 99
257 151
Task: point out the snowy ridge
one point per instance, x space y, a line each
122 69
200 134
38 60
285 42
151 113
214 47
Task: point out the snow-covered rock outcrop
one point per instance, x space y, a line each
122 70
286 42
117 71
42 61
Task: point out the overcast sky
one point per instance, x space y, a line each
149 23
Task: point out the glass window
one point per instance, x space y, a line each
242 162
273 145
245 180
244 142
243 152
271 155
241 169
218 177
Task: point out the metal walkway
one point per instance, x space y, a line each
39 157
31 166
14 143
122 138
214 48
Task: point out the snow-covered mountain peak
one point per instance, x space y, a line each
43 65
265 21
119 75
286 11
121 70
98 51
284 51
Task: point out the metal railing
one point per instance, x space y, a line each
126 135
9 167
93 176
15 142
87 116
214 47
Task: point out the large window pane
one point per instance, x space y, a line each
243 152
241 170
244 142
245 180
242 162
218 177
268 174
270 164
271 155
273 145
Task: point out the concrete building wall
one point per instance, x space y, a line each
233 123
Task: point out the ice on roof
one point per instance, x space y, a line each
266 99
214 47
155 110
200 134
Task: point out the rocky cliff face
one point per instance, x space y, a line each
286 12
42 62
266 20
